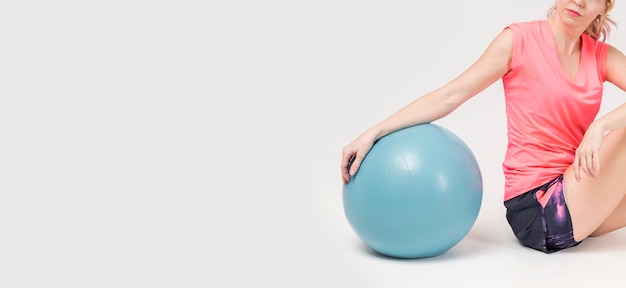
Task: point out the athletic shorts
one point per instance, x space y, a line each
540 218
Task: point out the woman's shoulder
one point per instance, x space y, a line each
529 24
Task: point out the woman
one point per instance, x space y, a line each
564 169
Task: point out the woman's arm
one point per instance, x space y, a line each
616 74
587 154
490 67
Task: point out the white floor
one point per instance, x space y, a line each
489 256
197 143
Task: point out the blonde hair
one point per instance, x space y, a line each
600 28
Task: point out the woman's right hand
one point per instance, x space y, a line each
353 155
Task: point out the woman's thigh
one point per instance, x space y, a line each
593 199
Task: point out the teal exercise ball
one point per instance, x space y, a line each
416 194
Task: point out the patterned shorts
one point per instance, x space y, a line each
540 218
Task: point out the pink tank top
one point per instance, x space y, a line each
547 112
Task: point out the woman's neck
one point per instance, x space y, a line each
567 38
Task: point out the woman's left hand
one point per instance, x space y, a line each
587 156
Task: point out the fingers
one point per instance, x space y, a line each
586 165
596 165
592 165
589 163
345 165
350 163
348 167
352 156
356 163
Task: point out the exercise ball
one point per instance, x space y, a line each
416 194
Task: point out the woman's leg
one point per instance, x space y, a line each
616 220
597 205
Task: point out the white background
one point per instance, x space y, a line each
197 143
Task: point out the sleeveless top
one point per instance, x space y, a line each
547 111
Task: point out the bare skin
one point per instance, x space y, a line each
595 184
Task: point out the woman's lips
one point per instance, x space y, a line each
573 12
